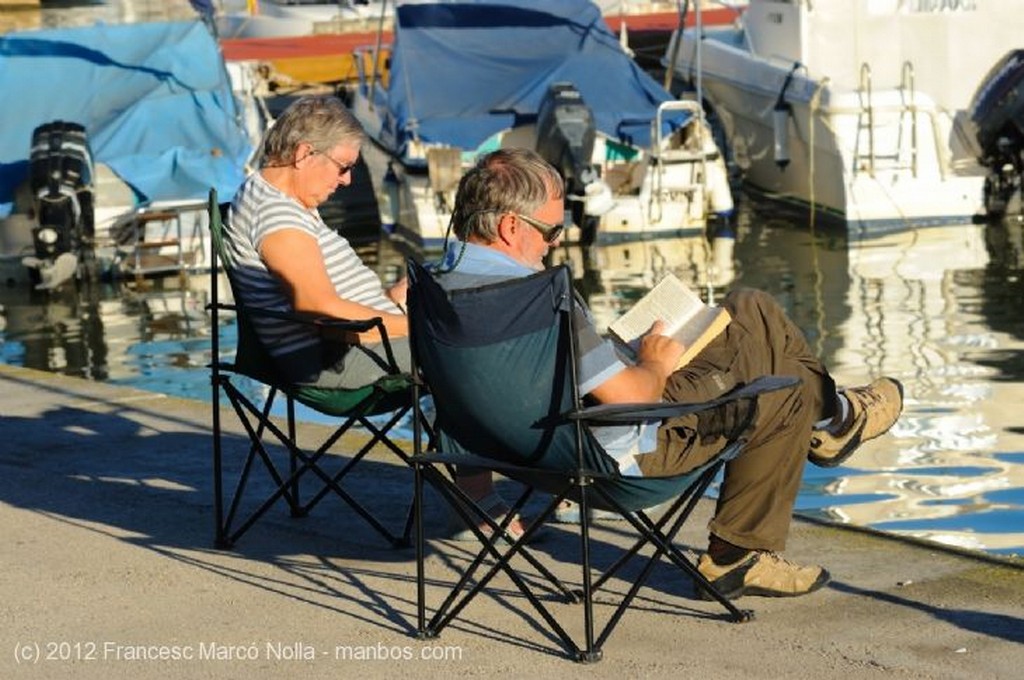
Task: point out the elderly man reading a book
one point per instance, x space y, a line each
508 214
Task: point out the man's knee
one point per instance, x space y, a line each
750 301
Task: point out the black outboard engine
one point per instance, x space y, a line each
61 179
996 116
565 138
566 133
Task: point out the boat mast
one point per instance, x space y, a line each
376 50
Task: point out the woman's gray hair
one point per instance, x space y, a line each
322 121
507 180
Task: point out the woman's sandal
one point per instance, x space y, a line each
495 506
568 512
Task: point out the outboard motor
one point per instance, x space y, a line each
61 180
996 121
565 138
566 133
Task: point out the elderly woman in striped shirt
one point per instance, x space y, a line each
284 256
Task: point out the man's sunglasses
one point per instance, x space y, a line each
548 232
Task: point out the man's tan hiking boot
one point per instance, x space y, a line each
874 409
760 572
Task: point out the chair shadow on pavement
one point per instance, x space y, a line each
137 473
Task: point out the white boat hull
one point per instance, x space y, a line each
827 173
869 134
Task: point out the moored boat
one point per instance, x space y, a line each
114 148
638 164
290 18
853 109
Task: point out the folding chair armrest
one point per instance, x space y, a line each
319 321
354 326
631 413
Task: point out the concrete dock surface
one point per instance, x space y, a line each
109 571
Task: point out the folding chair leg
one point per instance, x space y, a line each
300 463
379 436
454 604
422 631
680 511
242 407
592 652
297 509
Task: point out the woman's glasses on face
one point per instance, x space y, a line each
343 168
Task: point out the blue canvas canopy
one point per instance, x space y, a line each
154 98
463 71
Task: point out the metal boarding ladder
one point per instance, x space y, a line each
866 125
149 256
660 156
909 107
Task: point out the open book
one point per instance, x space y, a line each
688 320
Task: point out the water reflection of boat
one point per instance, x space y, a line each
933 503
851 107
113 332
153 129
910 300
938 309
637 163
611 277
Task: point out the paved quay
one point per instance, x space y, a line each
108 564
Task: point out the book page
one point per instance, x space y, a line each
670 300
687 318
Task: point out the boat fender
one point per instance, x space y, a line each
780 128
780 120
719 193
389 200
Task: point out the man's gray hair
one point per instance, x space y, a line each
321 121
506 180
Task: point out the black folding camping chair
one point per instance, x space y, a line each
388 399
501 364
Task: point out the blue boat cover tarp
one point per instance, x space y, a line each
154 98
463 71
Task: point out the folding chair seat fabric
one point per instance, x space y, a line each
391 394
500 362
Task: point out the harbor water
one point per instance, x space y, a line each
939 309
